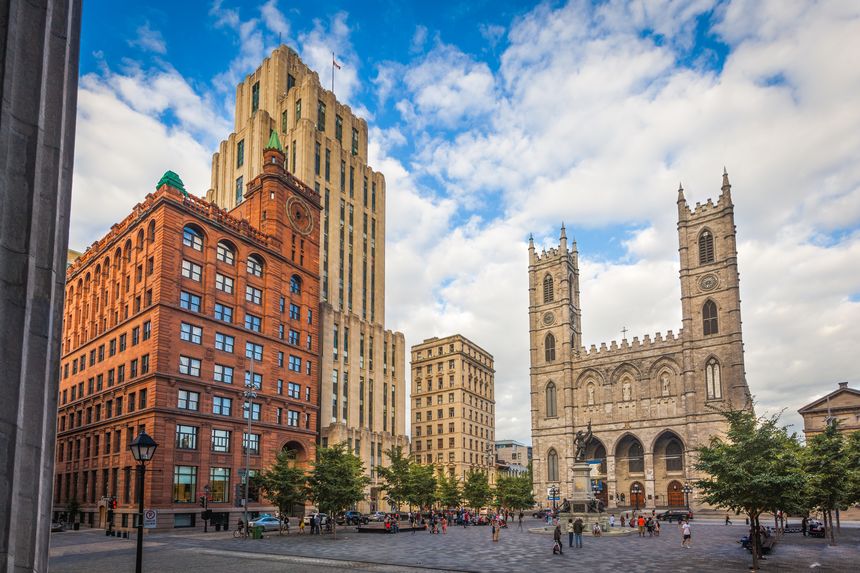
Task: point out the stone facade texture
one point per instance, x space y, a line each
149 344
651 401
842 405
454 406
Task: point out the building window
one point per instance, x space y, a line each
292 418
190 333
551 406
552 466
253 295
295 363
192 237
255 266
225 253
295 284
255 97
191 270
355 141
187 301
294 311
223 374
320 115
187 400
224 342
240 153
219 485
291 82
223 313
298 115
547 289
635 458
253 350
251 443
674 456
284 122
294 337
184 484
549 347
221 441
222 406
712 379
317 160
294 390
706 248
338 128
189 366
186 437
709 318
240 188
223 283
255 411
253 322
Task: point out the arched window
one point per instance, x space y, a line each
549 347
225 252
255 266
140 239
192 237
295 284
674 456
547 289
150 232
712 379
635 458
570 287
552 466
600 454
706 248
709 318
551 404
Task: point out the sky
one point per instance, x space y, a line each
494 120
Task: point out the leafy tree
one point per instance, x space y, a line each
284 484
476 490
337 480
395 476
448 490
828 473
420 485
852 460
515 492
756 468
73 508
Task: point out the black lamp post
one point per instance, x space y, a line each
554 491
143 449
636 490
687 489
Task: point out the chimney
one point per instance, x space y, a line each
843 384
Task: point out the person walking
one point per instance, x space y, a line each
556 535
641 524
578 526
612 520
686 535
622 520
728 521
570 532
521 520
657 527
444 525
301 526
804 525
498 531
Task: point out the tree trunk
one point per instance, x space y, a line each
838 525
756 542
830 527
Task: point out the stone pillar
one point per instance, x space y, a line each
611 483
39 43
649 480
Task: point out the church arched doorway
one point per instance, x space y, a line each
637 495
595 455
675 494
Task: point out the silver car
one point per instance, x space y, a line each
268 523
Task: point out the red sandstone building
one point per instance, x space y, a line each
162 318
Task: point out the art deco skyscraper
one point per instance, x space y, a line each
362 374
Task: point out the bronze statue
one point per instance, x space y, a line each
581 441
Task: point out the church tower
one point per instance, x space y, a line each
710 302
555 338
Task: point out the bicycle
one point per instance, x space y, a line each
240 532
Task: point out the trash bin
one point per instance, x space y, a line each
257 532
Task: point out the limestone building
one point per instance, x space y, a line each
363 369
842 405
650 400
454 406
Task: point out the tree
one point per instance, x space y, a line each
73 508
448 490
395 476
852 460
756 468
284 484
476 490
825 461
420 485
515 492
337 480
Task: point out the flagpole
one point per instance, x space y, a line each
332 73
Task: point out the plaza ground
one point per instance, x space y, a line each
715 548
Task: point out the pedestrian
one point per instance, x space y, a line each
521 520
444 525
686 535
641 525
622 520
578 526
301 526
287 524
556 536
570 532
657 527
612 520
493 530
804 524
498 531
728 521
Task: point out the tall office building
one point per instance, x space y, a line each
454 406
362 375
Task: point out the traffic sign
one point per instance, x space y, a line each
150 517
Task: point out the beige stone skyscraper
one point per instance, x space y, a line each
454 405
362 372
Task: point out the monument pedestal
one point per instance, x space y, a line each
583 504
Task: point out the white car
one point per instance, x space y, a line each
268 523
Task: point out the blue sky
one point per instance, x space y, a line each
493 120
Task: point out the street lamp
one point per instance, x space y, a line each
250 394
687 489
636 490
554 491
142 448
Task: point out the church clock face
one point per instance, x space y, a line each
708 282
300 216
548 318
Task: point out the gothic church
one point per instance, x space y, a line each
651 401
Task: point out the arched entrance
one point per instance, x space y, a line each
637 495
297 451
596 456
675 495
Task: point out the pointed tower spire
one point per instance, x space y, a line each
727 187
562 240
274 142
531 249
681 193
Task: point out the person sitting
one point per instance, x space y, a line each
596 530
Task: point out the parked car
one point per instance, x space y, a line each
542 513
57 526
671 515
268 523
377 516
324 518
351 518
815 528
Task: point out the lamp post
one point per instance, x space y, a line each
143 449
636 490
687 489
250 394
554 491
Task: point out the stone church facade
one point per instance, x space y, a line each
651 401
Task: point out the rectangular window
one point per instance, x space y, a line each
284 123
240 153
295 363
147 326
120 374
292 418
221 441
338 128
298 113
219 485
251 443
328 165
223 283
190 333
188 400
240 188
317 159
189 366
320 116
253 295
258 380
186 437
222 406
294 311
144 364
291 82
224 342
223 313
253 350
294 337
224 253
191 270
184 484
354 141
223 374
253 322
187 301
280 359
255 97
141 402
135 339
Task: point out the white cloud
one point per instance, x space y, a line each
275 20
317 47
149 39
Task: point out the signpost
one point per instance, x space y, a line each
150 517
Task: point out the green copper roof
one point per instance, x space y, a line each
274 142
172 179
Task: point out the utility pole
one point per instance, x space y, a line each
249 395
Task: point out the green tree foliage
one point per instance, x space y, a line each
826 462
284 484
756 468
515 492
852 456
395 476
337 480
476 490
73 508
448 491
420 486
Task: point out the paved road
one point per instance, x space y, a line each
715 548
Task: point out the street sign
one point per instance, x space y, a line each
552 499
150 516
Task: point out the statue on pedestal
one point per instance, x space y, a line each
581 441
